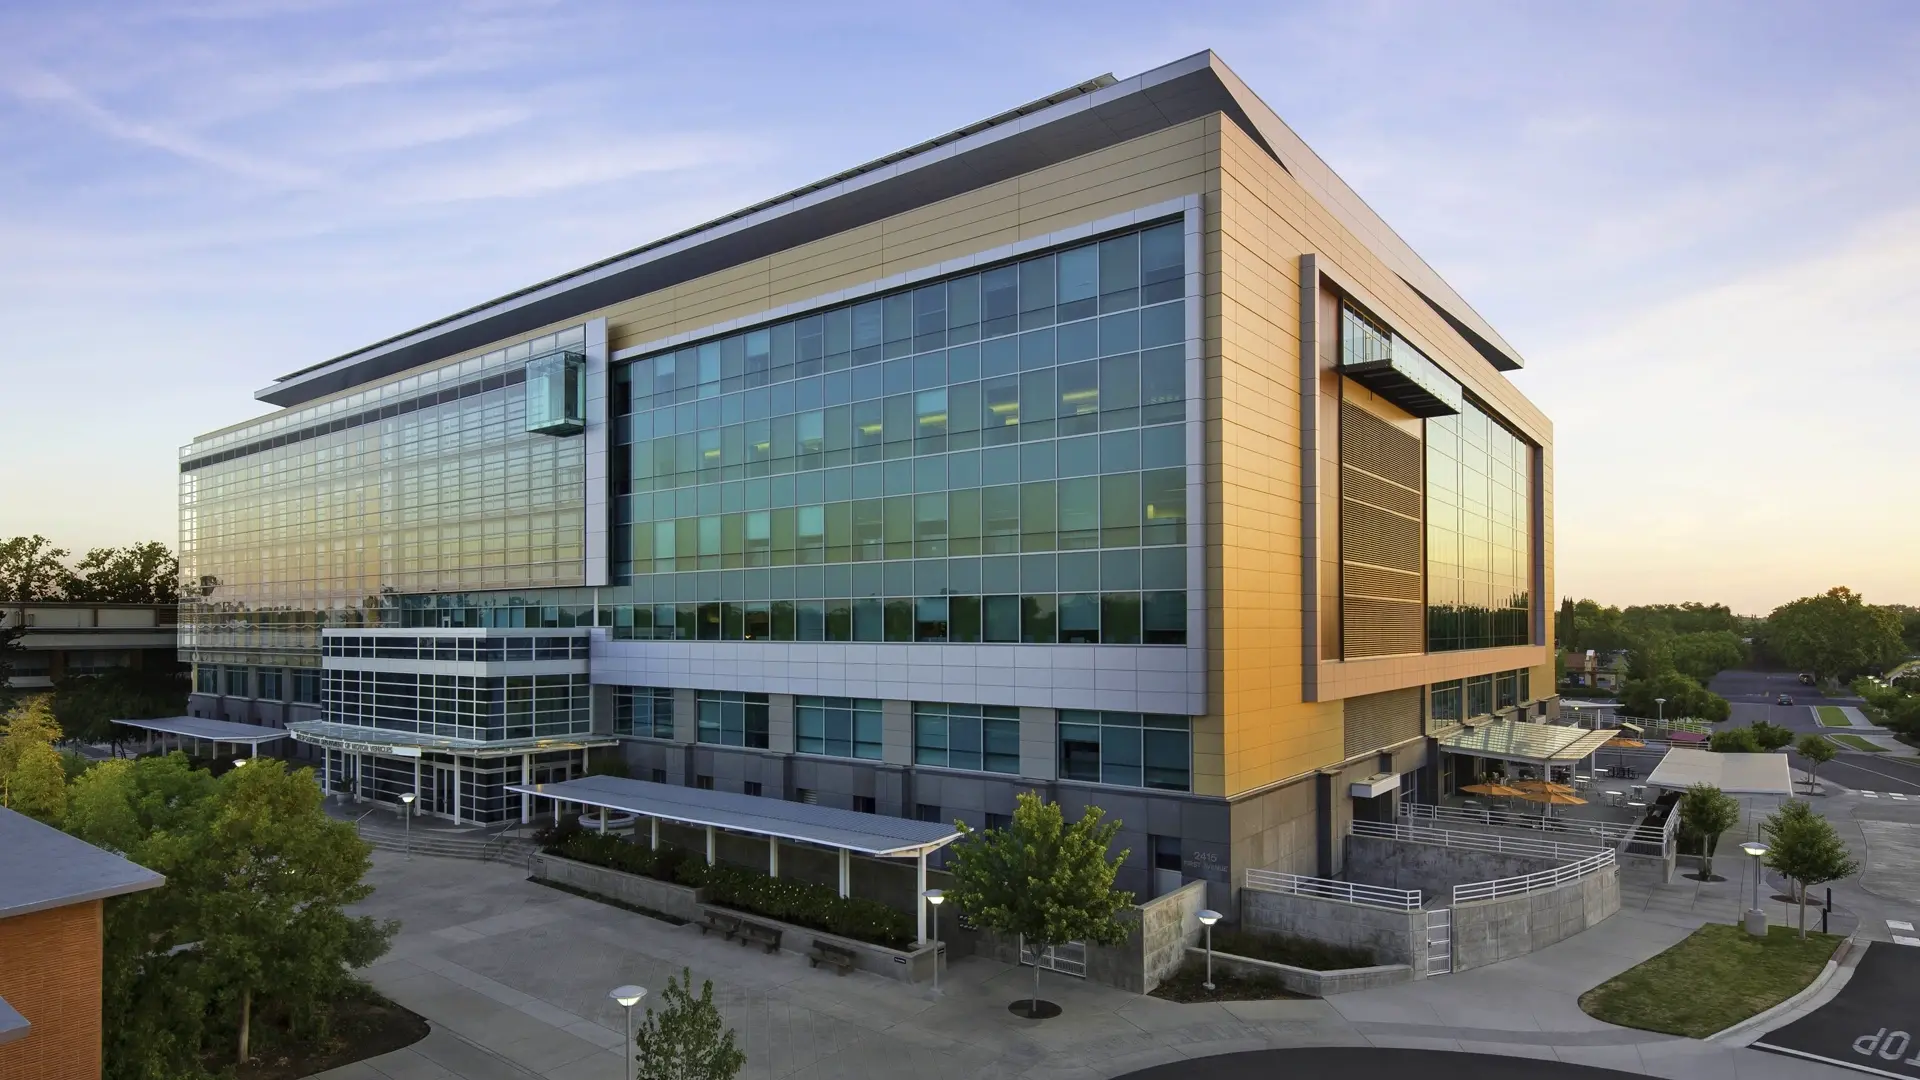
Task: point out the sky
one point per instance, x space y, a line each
1698 222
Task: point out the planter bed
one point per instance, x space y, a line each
1299 980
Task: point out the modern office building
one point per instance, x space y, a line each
61 638
1110 447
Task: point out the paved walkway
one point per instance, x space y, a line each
514 977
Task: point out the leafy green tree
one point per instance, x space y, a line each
688 1039
1803 846
87 705
1734 741
1041 879
1707 812
1834 634
32 779
1770 736
32 571
1707 653
1818 750
1684 697
146 573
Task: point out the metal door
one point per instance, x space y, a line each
1439 942
1067 959
443 790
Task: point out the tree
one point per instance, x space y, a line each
31 570
32 779
1041 879
10 647
1684 697
1818 750
688 1039
88 705
1834 634
1707 653
137 574
1771 736
1707 812
1734 741
1804 847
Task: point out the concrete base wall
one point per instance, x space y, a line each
1395 937
665 897
1489 931
1307 981
1160 933
1432 868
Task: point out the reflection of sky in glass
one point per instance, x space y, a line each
1478 563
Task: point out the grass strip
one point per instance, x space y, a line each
1711 981
1831 716
1856 742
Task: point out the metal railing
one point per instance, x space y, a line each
1327 889
1475 841
1601 832
1526 883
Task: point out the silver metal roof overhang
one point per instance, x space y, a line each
847 830
199 727
1080 120
1537 744
1735 774
42 868
353 739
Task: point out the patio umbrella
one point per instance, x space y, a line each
1534 786
1624 743
1494 789
1554 798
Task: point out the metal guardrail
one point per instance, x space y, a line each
1607 832
1328 889
1505 845
1526 883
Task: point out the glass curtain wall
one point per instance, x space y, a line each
999 456
1479 542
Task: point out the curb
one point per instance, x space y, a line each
1753 1027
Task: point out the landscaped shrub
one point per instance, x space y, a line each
1291 951
612 852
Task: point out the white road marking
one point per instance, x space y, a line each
1895 924
1871 794
1899 796
1902 940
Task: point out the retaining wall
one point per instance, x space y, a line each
1398 937
1159 933
1434 869
1488 931
680 901
1307 981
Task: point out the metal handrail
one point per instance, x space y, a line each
1610 832
361 818
1506 845
1328 889
1526 883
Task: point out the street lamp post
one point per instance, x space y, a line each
406 799
628 996
935 897
1756 918
1660 703
1208 917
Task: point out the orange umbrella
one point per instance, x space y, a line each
1625 743
1554 798
1494 789
1544 785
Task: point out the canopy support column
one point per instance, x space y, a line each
416 781
656 833
526 778
710 845
456 789
253 749
773 856
846 870
603 822
920 894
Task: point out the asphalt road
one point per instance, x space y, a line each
1752 695
1870 1025
1371 1063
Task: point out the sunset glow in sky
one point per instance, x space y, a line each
1698 222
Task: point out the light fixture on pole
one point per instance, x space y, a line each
1660 703
628 997
1208 917
934 897
1756 918
239 762
406 799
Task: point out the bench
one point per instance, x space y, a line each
760 934
728 925
826 952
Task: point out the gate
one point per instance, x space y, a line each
1439 942
1067 959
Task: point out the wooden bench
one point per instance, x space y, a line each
760 934
728 925
826 952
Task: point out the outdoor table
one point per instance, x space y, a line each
1639 791
1636 806
1614 796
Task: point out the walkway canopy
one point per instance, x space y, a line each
1532 744
1735 774
846 831
202 729
392 742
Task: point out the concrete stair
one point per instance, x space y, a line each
491 845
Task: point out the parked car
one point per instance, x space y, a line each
1785 699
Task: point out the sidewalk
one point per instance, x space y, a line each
514 978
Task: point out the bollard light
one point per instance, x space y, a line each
406 799
1207 918
934 897
1756 918
627 997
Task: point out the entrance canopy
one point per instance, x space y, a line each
1533 744
1735 774
847 830
355 739
199 727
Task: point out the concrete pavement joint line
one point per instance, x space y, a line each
1609 1037
1746 1031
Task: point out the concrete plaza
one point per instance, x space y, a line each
514 978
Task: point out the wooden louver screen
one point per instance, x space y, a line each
1381 609
1377 721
